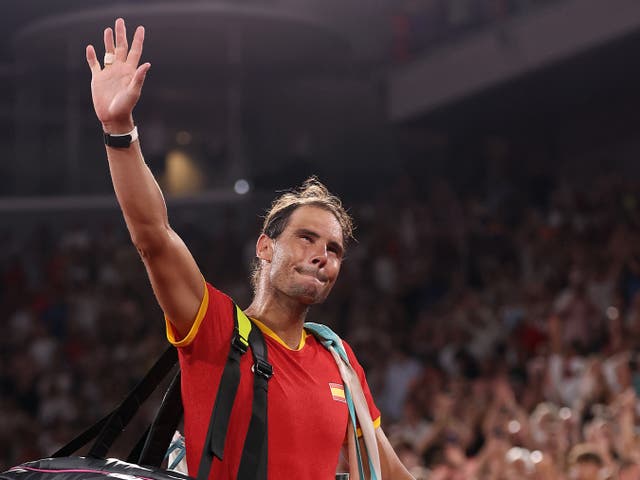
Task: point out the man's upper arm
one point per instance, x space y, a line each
176 279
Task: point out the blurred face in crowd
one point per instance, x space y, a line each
303 262
629 472
518 471
454 454
598 431
544 428
585 470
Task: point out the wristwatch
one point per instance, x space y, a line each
122 140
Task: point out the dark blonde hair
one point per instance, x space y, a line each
311 192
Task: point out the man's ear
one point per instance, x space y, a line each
264 248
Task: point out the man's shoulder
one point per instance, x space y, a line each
213 318
217 297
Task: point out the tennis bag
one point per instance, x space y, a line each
145 459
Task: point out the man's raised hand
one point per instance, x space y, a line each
116 87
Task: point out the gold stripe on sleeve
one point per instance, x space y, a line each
171 335
376 424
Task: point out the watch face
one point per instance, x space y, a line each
117 141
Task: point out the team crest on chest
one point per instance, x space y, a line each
337 392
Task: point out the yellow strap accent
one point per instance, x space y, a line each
244 326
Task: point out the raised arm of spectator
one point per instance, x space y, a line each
625 442
115 89
555 333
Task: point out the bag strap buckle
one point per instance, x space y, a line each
263 369
239 344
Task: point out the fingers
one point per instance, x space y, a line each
122 47
108 41
136 46
92 60
118 49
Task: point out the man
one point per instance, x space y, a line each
299 255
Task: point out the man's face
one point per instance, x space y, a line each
305 259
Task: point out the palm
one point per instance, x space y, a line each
112 98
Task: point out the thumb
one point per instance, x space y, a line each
92 60
139 76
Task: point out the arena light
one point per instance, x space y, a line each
536 456
241 187
182 175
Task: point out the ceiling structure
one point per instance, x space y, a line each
253 86
270 90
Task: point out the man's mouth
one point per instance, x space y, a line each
312 272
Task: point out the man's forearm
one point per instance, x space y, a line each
138 194
392 468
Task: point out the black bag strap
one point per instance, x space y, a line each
135 452
163 427
219 422
151 447
253 464
109 427
82 439
123 414
245 334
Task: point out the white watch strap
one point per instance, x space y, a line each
133 133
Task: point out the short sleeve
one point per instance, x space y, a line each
213 315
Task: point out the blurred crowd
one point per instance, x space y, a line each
419 25
499 329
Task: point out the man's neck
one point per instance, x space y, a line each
284 315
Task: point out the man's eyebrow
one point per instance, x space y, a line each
306 231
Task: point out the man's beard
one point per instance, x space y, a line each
309 294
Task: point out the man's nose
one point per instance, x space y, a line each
320 256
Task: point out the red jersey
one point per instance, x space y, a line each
307 412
